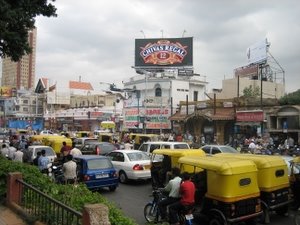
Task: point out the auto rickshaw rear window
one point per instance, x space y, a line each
245 181
279 173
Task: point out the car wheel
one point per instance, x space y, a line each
112 188
123 177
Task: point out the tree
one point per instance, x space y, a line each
17 18
291 98
251 92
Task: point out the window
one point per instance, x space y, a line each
158 92
195 95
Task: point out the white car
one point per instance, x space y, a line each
50 153
131 164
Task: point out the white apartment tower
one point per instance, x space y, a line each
21 74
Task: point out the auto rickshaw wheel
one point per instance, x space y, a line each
216 221
123 177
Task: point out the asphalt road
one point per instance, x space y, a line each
132 197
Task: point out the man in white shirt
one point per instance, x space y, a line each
4 150
75 151
252 146
11 150
172 188
70 170
18 156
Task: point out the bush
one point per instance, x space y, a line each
62 193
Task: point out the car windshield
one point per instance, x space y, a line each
228 149
137 156
95 164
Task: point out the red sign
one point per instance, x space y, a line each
250 116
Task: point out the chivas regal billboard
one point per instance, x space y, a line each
164 52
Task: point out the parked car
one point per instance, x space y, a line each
80 142
214 149
50 153
49 132
96 172
131 164
149 146
97 148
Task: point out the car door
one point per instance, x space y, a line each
117 159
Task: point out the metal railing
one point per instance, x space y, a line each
42 207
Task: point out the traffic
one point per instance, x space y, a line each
212 184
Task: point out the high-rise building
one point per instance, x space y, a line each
21 74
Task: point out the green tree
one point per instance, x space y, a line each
17 17
251 92
291 98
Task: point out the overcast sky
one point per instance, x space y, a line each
94 39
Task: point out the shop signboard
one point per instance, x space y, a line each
250 116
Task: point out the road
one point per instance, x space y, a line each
132 197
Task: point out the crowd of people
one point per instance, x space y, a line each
19 151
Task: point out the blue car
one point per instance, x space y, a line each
96 172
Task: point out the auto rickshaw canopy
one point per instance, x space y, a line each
108 124
228 180
272 170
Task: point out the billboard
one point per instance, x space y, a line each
257 52
164 52
247 71
6 91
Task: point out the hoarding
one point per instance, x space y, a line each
6 91
257 52
164 52
247 71
250 116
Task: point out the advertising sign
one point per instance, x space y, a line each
164 52
249 116
155 118
247 71
5 91
257 52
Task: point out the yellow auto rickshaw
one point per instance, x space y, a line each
37 139
162 160
230 192
81 134
108 137
273 182
55 141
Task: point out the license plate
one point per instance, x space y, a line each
147 167
98 176
189 216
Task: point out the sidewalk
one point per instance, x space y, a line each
8 217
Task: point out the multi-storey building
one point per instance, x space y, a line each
21 74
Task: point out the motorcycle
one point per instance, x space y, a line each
152 214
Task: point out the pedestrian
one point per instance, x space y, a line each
11 150
36 159
70 170
75 151
4 150
18 156
43 162
64 151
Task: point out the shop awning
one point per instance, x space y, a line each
108 124
218 114
178 117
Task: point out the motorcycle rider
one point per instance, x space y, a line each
172 188
187 193
43 162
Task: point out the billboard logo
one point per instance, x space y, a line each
163 52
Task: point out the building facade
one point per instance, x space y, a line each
154 97
21 74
